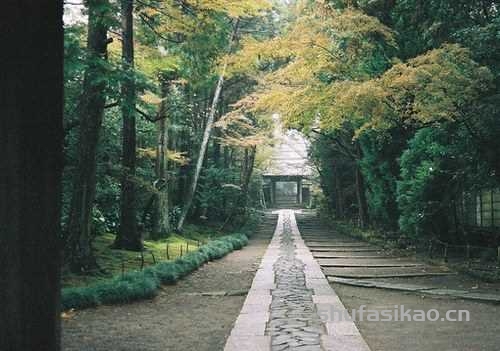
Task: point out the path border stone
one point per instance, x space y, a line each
248 333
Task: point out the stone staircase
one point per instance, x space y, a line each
267 223
287 202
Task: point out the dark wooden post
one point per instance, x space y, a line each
299 191
467 255
273 192
31 140
492 204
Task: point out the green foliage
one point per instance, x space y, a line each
483 41
438 165
168 272
439 103
424 25
184 44
336 174
420 190
381 171
217 192
413 83
127 288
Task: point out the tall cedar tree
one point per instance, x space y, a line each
31 139
79 252
247 167
128 237
161 220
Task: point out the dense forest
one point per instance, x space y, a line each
149 141
166 123
167 111
400 102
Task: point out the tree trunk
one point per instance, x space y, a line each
246 174
217 153
226 154
216 144
161 220
338 194
206 137
80 256
182 184
31 140
360 192
128 236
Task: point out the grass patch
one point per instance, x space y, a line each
114 262
138 285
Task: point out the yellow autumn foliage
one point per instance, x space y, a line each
233 8
437 86
171 155
440 84
151 98
238 130
320 47
318 75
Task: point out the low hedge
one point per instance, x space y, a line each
138 285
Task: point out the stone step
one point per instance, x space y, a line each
319 249
384 276
382 272
340 246
350 254
334 244
369 265
320 255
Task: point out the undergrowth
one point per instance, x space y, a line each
373 236
113 262
138 285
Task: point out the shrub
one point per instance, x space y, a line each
130 287
426 184
79 297
167 272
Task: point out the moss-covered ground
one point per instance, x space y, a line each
114 262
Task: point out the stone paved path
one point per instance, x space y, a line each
294 322
290 304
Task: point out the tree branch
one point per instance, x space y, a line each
74 3
147 21
112 104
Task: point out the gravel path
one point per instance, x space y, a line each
481 333
180 318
